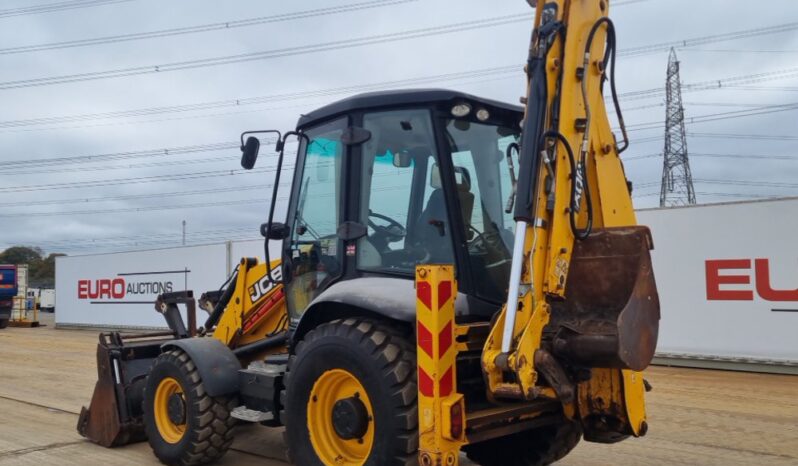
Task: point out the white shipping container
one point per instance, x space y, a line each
119 290
727 276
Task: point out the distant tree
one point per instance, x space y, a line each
41 270
21 255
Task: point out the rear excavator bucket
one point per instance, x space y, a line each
610 317
114 417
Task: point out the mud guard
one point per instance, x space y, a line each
217 365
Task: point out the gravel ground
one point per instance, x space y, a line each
696 417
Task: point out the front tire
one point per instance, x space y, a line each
537 447
3 323
184 426
351 396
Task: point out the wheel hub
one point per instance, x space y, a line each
176 409
350 418
340 419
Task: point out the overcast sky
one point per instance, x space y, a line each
30 194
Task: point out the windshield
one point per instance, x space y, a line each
484 183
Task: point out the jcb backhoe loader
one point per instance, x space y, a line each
455 274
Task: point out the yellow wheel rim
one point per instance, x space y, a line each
332 387
169 430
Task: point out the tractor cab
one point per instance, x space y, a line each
385 181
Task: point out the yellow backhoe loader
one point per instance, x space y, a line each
456 275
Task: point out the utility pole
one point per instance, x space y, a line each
677 180
184 232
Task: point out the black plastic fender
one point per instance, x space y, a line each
388 298
217 365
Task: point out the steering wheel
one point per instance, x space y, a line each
485 241
394 229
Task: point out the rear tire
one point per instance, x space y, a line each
535 447
3 323
206 432
372 355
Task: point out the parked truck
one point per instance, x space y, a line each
8 290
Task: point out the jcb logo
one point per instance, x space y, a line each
263 286
741 276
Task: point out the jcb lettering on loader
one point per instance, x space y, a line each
429 298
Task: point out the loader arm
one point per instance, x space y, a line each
582 310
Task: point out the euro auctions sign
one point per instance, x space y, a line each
119 290
747 279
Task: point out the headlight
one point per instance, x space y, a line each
483 115
461 110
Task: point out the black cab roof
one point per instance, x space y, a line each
394 98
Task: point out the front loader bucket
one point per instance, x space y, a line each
114 416
610 315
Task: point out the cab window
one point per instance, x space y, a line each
402 200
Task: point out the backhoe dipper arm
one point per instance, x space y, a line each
581 294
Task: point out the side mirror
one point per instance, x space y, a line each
277 231
249 152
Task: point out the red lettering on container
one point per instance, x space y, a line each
118 288
763 287
715 280
83 289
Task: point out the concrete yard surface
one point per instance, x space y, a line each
696 417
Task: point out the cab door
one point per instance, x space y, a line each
313 254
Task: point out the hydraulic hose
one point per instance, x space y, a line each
580 234
610 54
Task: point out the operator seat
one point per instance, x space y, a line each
433 228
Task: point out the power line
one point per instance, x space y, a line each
716 194
737 51
762 110
756 183
483 72
350 43
131 197
206 27
746 156
133 166
53 7
717 155
136 180
715 83
752 183
112 239
735 35
269 54
63 160
139 209
765 88
203 27
767 137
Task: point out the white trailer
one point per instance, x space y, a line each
47 300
